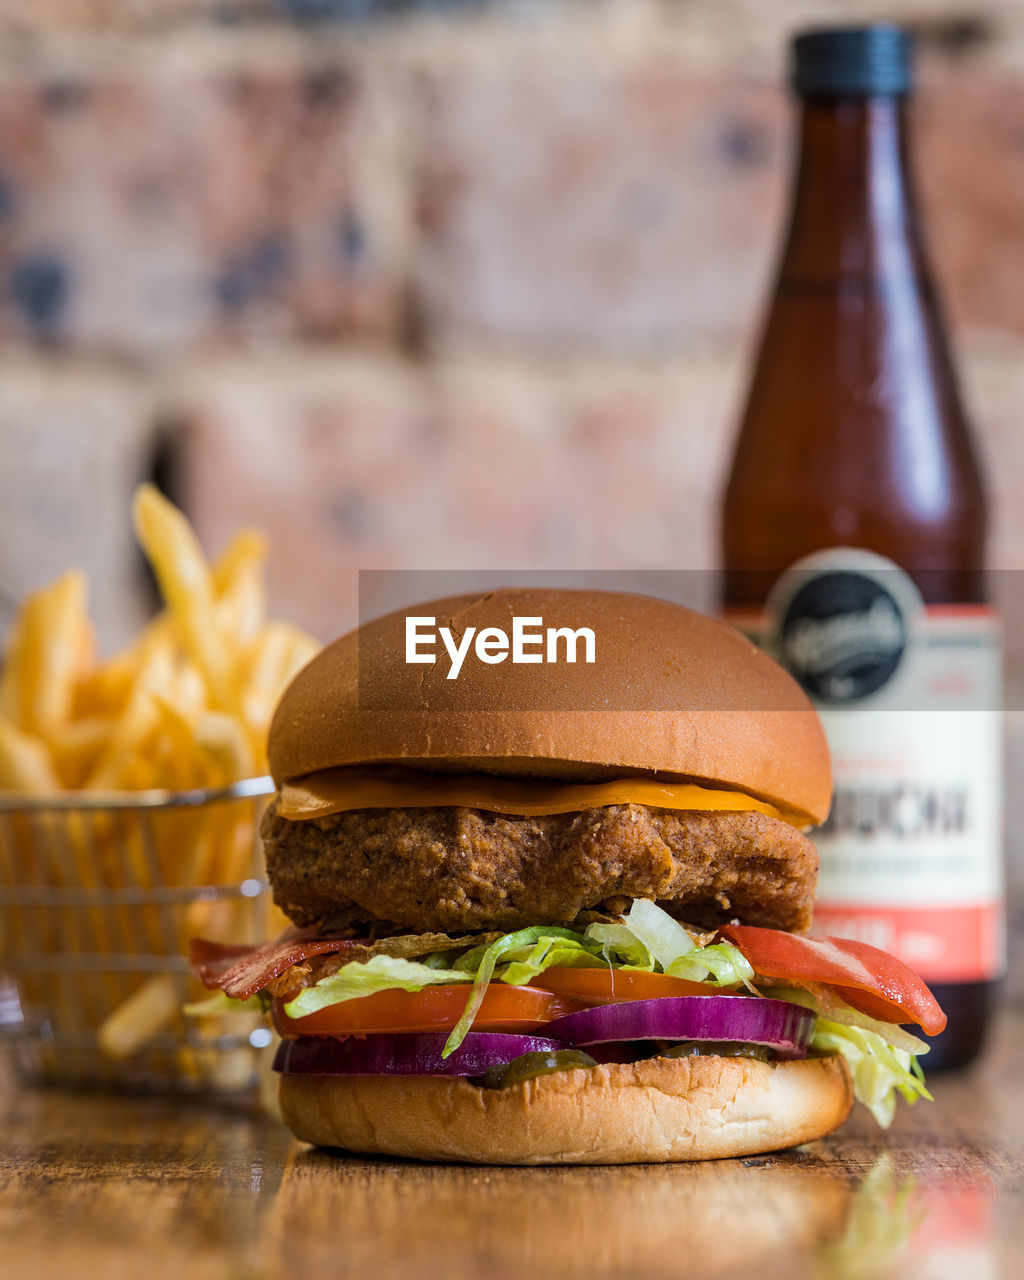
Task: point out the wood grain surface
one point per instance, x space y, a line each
93 1185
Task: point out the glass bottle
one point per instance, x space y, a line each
853 537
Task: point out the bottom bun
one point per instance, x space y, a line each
660 1109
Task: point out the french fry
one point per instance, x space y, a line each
224 740
105 690
281 651
184 708
246 550
51 644
72 846
25 766
58 613
145 1012
75 748
181 765
25 763
241 603
187 693
136 723
184 577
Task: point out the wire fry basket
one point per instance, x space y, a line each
99 894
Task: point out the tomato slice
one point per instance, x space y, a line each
868 979
504 1008
616 986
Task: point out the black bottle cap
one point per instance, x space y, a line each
852 61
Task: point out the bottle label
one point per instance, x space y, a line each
909 694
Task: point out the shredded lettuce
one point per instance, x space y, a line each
877 1068
721 965
620 945
365 977
665 938
650 939
486 964
882 1057
547 953
216 1006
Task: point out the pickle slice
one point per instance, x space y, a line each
528 1066
716 1049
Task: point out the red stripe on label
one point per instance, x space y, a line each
960 611
951 944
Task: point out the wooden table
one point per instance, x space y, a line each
147 1188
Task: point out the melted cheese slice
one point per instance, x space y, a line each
334 790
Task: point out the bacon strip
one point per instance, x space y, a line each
241 971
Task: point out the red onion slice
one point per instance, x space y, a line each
405 1055
781 1026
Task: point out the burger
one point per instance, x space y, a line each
545 857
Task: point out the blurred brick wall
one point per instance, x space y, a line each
468 284
465 285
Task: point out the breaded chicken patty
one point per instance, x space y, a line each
459 869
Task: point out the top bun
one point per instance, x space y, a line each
672 693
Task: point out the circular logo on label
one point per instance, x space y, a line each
842 636
842 623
